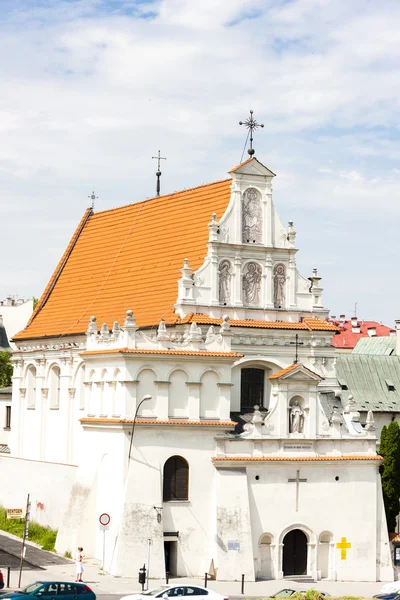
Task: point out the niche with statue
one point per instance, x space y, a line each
296 415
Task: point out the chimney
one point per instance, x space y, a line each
397 338
392 332
342 318
372 331
333 317
354 321
356 329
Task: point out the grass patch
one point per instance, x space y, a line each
44 536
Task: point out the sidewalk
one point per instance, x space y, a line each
48 566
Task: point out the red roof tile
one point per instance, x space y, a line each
347 339
199 353
293 458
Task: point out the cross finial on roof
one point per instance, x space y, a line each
158 174
251 125
93 197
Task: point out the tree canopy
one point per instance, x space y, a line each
390 472
6 369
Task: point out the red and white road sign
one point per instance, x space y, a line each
104 519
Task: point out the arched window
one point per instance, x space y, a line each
30 387
176 479
54 387
251 388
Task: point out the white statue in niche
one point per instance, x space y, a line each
296 419
251 217
251 283
224 282
279 286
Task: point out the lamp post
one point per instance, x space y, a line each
147 397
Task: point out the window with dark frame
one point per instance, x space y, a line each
251 388
176 479
8 417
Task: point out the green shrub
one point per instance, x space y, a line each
44 536
67 554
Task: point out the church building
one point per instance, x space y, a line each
178 358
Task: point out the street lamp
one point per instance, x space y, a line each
147 397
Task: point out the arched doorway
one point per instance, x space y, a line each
295 553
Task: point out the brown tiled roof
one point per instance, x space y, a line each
198 353
307 324
289 369
141 421
128 258
247 161
293 458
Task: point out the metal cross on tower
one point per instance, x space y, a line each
251 125
297 343
93 197
158 174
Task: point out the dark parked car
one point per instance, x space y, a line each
51 590
390 596
1 581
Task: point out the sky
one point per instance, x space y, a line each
91 89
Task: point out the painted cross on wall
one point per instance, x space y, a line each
343 545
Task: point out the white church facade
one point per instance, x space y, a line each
200 404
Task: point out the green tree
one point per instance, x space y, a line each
390 472
6 369
35 301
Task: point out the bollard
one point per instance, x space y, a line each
142 576
8 576
205 579
167 577
242 584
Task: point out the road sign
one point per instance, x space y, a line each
15 513
104 519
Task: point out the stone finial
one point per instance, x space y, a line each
370 425
92 327
335 417
213 229
291 234
257 415
162 334
104 331
225 325
116 330
194 332
210 334
130 320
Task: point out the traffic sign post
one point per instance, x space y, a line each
104 521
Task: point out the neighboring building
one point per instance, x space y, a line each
16 314
352 330
237 456
371 374
5 419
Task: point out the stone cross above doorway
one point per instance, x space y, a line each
297 481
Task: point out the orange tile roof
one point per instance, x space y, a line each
128 258
291 368
198 353
141 421
307 324
292 458
247 161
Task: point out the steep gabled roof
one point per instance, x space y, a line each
295 368
128 258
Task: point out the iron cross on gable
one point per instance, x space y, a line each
158 174
251 125
297 343
297 481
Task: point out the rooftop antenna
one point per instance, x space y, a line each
355 308
93 197
158 174
251 125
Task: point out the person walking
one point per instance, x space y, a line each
78 563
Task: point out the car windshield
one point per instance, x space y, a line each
283 594
31 589
155 591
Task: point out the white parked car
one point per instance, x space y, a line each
193 592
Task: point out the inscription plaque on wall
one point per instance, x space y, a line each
297 447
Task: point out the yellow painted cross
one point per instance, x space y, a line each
343 545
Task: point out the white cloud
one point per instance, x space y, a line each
90 91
